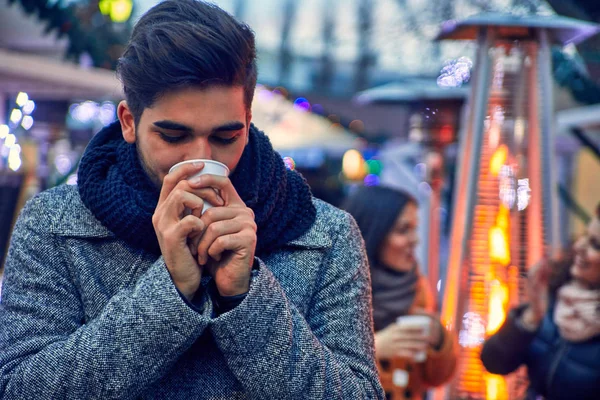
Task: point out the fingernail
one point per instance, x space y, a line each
198 164
196 180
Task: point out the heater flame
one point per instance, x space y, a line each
497 306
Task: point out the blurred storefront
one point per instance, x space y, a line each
38 146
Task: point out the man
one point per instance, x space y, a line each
113 290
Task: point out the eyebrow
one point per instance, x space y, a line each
176 126
173 126
229 126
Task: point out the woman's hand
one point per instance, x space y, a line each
400 341
537 294
436 330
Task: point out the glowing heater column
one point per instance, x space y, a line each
504 213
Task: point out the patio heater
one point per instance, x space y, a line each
504 215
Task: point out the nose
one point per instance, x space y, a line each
200 148
575 272
580 245
414 238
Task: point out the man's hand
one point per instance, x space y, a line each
174 227
228 242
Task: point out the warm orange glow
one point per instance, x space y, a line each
499 250
498 296
499 238
498 160
495 387
503 217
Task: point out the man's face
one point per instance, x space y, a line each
210 123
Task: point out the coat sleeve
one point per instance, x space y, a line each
441 363
277 353
505 351
47 350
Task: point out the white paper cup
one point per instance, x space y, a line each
210 167
422 322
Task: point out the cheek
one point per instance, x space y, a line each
593 256
160 158
398 244
229 156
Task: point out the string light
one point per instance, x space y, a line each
16 115
20 118
22 99
118 10
29 107
27 122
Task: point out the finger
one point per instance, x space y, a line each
178 201
222 184
402 330
216 214
416 337
234 242
179 232
209 195
212 233
171 179
411 330
412 345
410 355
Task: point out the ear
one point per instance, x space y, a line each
248 121
127 122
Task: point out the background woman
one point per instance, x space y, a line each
388 221
557 333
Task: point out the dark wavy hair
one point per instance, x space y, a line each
186 43
376 209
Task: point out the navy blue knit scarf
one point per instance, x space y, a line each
114 186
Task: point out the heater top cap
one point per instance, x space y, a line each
562 30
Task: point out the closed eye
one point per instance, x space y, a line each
224 140
172 138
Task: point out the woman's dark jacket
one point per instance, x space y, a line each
557 369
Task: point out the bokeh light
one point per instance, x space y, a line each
302 104
22 99
27 122
16 115
472 333
455 73
29 107
371 180
353 165
357 126
289 163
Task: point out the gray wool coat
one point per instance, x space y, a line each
84 316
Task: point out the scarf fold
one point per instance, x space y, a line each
577 312
393 294
114 186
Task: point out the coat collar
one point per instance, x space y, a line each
74 219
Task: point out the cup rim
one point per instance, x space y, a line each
205 161
415 318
